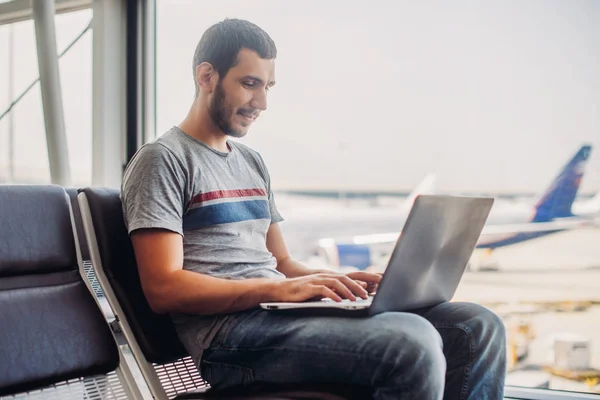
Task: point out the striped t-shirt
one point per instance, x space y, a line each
221 203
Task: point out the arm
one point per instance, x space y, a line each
285 263
170 288
292 268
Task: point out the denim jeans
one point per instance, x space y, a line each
450 351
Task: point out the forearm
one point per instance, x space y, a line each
194 293
293 269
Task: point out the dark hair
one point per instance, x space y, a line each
221 43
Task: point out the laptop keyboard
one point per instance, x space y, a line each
358 300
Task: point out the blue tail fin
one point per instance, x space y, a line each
556 202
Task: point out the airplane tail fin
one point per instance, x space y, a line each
557 200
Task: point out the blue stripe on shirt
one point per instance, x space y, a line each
225 213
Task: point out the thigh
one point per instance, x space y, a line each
471 318
464 327
280 347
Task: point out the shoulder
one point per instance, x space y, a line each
158 158
152 155
245 150
166 149
250 155
255 158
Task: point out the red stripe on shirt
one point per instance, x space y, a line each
223 194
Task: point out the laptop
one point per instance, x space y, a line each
427 263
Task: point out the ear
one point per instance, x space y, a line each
206 77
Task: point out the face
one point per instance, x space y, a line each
241 95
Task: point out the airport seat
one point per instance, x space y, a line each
84 254
54 341
166 367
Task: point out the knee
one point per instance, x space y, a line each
487 328
491 325
495 332
414 344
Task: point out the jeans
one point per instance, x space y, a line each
450 351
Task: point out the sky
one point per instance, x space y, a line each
491 96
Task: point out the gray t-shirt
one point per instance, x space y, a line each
222 205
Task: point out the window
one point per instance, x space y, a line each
493 99
23 150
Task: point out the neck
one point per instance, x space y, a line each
199 125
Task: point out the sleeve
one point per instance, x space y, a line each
275 215
153 189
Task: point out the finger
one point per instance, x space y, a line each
365 276
324 291
372 288
356 288
345 286
339 288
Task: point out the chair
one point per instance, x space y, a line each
84 254
54 340
165 365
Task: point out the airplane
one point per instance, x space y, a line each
322 235
588 208
552 212
305 227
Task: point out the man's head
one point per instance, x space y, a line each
233 69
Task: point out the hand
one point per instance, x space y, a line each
369 280
330 285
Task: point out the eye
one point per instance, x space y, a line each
249 84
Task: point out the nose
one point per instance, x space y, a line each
259 100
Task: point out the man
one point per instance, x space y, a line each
204 226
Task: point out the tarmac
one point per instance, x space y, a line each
552 286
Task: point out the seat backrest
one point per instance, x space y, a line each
51 329
154 333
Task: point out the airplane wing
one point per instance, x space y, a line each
489 231
556 225
588 208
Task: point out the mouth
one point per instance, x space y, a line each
248 117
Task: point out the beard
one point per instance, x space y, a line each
221 112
